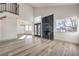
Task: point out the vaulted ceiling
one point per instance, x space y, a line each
48 4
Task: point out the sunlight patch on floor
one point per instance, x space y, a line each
26 36
29 37
22 37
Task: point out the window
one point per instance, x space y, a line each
28 27
60 26
67 25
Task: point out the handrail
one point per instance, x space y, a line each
9 7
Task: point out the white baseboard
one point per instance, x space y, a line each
67 41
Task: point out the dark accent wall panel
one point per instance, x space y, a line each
47 27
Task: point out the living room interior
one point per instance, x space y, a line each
39 29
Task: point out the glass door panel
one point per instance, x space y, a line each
39 29
35 29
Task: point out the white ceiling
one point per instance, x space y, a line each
47 4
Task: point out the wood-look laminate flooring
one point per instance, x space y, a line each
35 46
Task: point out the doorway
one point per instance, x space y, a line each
37 29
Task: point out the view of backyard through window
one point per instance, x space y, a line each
67 25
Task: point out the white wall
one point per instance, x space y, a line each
60 12
0 30
26 12
9 27
25 16
1 14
